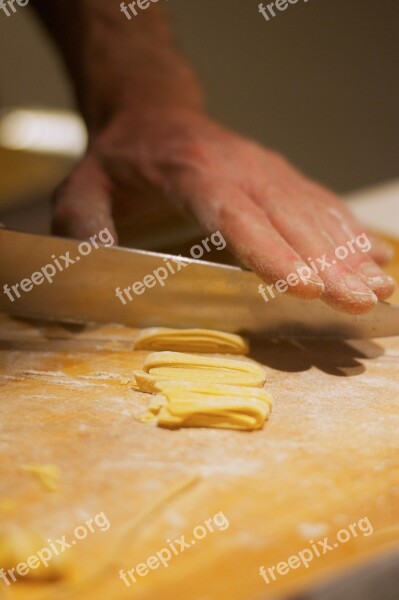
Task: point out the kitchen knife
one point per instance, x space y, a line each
67 280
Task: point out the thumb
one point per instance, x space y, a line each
83 203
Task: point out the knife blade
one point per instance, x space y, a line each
186 293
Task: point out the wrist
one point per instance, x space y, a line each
152 126
138 102
132 70
119 65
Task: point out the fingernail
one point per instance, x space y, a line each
376 276
371 270
306 273
373 274
355 286
317 282
387 249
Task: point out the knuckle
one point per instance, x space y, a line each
193 152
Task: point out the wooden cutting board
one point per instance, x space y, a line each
328 457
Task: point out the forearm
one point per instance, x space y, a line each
116 63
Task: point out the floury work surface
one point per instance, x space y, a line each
289 512
322 471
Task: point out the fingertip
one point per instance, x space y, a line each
381 251
376 280
310 285
383 287
71 218
83 204
311 290
350 295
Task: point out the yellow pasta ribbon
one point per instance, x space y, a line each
178 366
191 340
185 404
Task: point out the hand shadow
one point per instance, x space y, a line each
335 357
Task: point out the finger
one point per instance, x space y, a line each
301 229
381 252
83 204
354 251
250 235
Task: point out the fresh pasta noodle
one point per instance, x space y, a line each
191 340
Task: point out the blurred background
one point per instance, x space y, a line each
320 83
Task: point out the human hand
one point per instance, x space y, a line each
274 219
